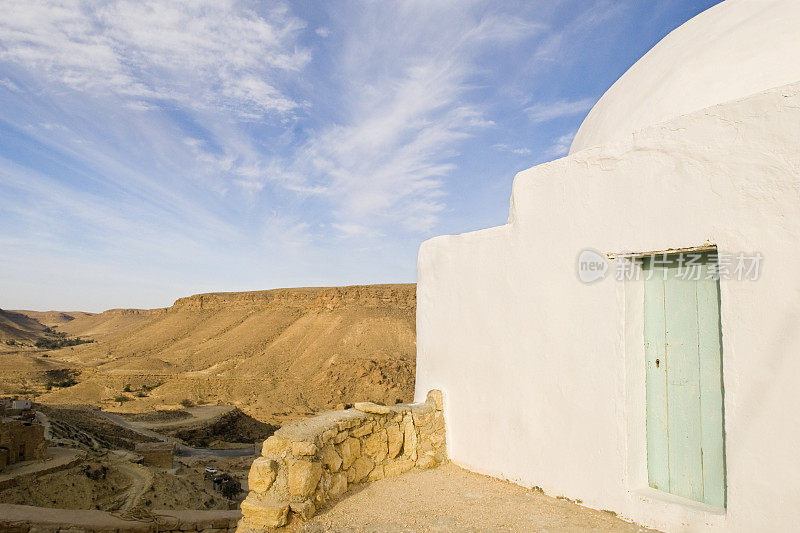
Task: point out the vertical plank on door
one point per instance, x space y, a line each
656 379
711 389
683 387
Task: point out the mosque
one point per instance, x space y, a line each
631 337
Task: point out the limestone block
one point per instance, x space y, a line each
338 485
305 509
303 448
437 439
330 458
319 499
280 488
303 477
376 474
428 460
262 474
435 396
425 445
329 435
440 456
424 422
360 469
275 447
340 437
362 430
395 438
369 407
264 512
348 423
376 446
409 439
350 450
398 467
423 408
438 421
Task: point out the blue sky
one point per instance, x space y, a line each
154 149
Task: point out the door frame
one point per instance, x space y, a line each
630 293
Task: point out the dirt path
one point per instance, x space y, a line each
56 459
180 449
141 480
451 499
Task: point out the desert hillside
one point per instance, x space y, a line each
275 354
19 327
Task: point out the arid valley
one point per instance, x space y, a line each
215 374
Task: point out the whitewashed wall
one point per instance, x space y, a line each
543 376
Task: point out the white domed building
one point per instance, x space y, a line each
631 338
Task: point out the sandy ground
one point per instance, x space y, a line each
449 498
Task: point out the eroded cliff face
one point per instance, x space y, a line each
311 298
277 354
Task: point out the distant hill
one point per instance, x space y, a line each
54 318
20 327
276 354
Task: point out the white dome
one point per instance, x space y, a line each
735 49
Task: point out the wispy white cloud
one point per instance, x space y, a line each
408 109
10 85
542 112
203 55
502 147
356 230
286 234
558 40
560 145
198 140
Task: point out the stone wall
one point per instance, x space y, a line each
159 454
24 440
316 460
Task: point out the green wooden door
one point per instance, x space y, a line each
685 447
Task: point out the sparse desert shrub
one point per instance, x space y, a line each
230 488
141 394
95 472
68 382
11 342
122 399
127 388
60 342
186 402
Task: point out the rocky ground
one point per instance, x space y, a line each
112 478
108 484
